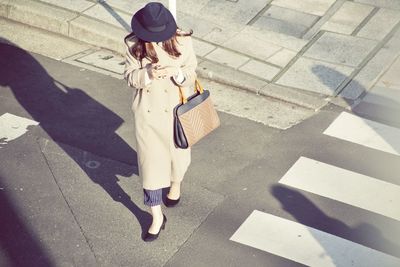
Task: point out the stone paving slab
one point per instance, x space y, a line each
229 76
235 12
284 27
212 31
114 17
187 23
381 3
384 96
60 46
380 24
282 57
391 79
275 38
219 35
369 74
315 7
228 58
77 6
129 6
260 69
31 13
315 29
315 76
290 16
202 48
383 100
285 21
98 34
341 49
381 103
4 8
191 7
347 18
252 45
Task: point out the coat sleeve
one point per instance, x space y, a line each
134 73
189 65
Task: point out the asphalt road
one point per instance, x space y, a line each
70 194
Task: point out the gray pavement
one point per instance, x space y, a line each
71 195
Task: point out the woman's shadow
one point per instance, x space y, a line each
70 116
307 213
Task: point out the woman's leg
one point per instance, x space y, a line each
153 198
158 218
175 190
180 164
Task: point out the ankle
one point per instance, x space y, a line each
156 212
174 190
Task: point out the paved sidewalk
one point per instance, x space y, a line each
297 51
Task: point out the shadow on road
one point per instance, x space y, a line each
307 213
17 240
387 111
69 116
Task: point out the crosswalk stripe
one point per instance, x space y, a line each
345 186
12 127
306 245
365 132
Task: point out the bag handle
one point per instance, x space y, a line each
198 88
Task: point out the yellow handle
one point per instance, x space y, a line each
182 97
197 88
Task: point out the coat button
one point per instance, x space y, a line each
165 90
148 91
148 110
166 110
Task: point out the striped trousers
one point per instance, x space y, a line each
152 197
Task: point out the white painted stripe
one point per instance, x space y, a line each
12 127
306 245
365 132
345 186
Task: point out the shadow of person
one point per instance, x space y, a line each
379 107
14 231
307 213
70 116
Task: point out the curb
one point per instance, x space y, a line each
64 22
228 76
89 30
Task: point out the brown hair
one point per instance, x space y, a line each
142 49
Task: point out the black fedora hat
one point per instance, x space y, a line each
153 23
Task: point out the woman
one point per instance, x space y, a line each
159 58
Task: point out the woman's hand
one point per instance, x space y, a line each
156 72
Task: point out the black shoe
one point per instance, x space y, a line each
148 237
171 202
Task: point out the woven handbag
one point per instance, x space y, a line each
195 117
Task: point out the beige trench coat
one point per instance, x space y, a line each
160 162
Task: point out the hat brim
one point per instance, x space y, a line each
149 36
